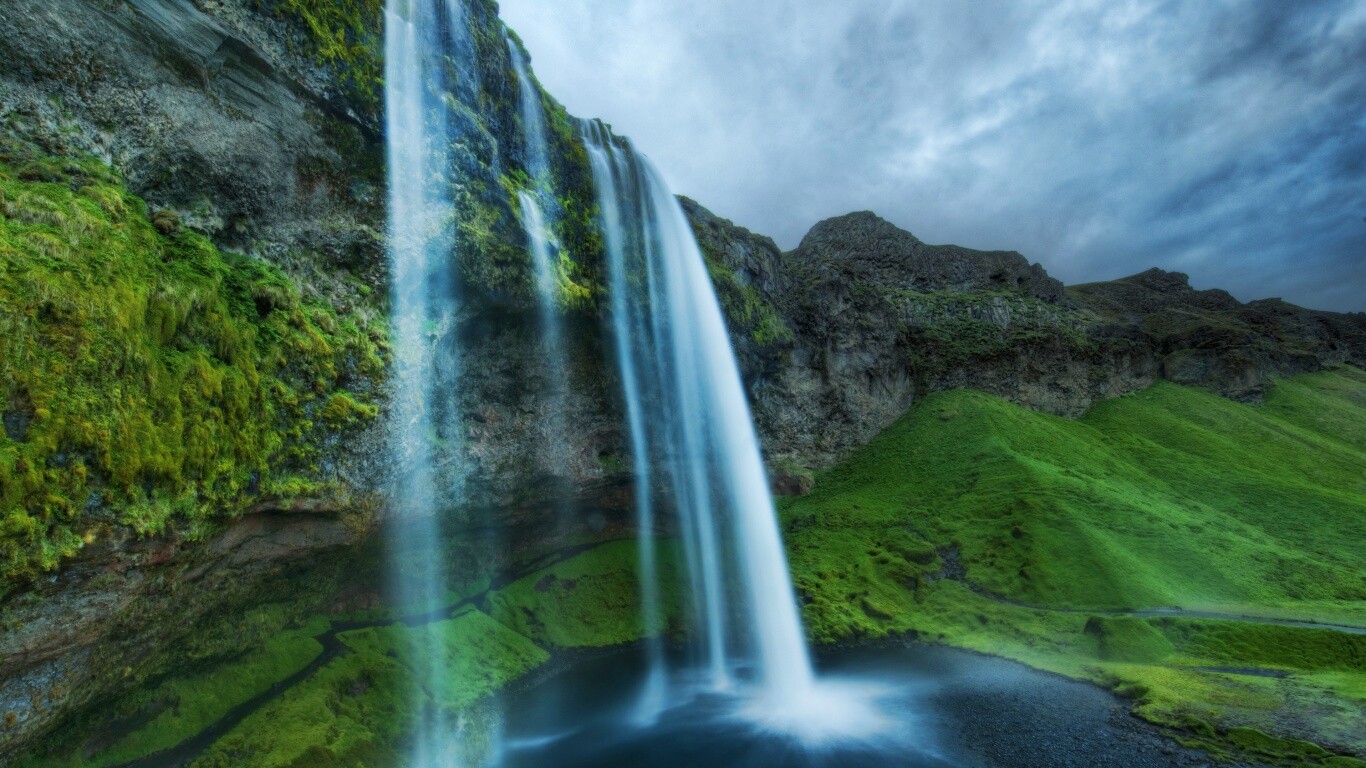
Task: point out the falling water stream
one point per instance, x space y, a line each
688 416
421 36
693 441
538 209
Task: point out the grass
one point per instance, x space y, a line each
589 601
1126 507
190 704
975 523
146 378
925 532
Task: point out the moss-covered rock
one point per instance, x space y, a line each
148 379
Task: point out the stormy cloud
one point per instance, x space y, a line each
1225 139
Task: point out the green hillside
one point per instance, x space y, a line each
980 524
972 523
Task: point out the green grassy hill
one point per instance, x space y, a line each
970 522
977 523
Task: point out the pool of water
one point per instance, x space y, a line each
915 706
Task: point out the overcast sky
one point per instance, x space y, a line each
1222 138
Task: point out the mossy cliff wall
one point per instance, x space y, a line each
193 290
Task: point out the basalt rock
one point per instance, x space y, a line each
878 318
865 249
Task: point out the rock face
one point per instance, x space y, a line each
205 110
874 318
1210 339
231 118
866 249
131 610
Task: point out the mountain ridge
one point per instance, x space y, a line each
877 319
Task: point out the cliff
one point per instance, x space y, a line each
193 237
868 319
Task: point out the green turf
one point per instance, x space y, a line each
589 601
1169 497
975 523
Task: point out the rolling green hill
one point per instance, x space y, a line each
977 523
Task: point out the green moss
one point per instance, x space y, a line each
347 37
146 378
359 709
952 328
745 308
588 601
342 410
196 702
480 655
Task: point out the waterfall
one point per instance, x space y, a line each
421 36
688 414
538 206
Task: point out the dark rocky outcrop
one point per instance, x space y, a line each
205 110
1210 339
874 318
867 249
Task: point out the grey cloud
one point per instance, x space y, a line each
1224 138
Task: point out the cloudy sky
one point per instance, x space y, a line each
1222 138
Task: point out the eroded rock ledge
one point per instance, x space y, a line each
874 318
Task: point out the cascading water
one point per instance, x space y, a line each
421 38
688 414
693 440
536 163
538 207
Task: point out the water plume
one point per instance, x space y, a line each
688 417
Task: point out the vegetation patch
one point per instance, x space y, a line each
744 306
589 601
1024 535
148 379
952 328
347 37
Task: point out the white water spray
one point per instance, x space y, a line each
421 36
538 208
688 413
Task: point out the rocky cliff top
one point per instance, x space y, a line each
867 247
878 318
1154 290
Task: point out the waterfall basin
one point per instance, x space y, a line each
910 706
